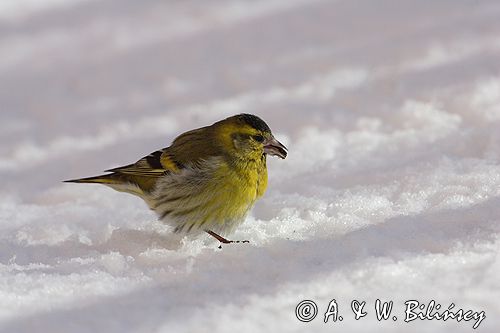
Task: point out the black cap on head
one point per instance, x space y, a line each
254 121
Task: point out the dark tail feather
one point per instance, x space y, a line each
117 181
103 179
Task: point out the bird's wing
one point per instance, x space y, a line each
188 149
155 164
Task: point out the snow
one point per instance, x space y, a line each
391 190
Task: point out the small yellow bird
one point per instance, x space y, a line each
207 180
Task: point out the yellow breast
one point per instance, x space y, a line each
214 197
243 185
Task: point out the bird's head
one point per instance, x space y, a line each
249 137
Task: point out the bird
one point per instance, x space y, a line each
207 180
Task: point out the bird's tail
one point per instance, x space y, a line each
108 179
116 181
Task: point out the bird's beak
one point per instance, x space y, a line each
274 147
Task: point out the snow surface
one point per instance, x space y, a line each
390 110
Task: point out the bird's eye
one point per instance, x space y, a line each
258 138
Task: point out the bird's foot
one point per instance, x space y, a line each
224 240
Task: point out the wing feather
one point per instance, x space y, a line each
155 164
188 149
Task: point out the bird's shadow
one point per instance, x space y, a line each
240 271
127 242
